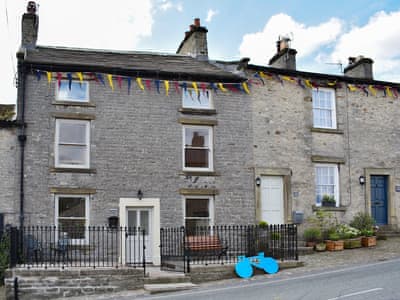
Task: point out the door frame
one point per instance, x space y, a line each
391 211
287 203
135 203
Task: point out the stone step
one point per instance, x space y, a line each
170 287
180 278
303 250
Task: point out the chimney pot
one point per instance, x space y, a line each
197 22
192 27
31 7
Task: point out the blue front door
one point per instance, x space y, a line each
379 201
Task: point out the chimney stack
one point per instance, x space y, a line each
29 28
359 67
285 57
195 42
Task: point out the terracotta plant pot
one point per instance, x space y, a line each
334 245
352 243
368 241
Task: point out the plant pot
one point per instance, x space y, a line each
368 241
352 243
334 245
311 244
328 204
320 247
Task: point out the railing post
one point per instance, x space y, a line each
13 233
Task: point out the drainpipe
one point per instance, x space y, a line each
22 134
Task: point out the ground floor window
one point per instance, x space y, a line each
72 216
326 183
199 212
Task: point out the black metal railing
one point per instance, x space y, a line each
93 246
182 247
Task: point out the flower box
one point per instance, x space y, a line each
368 241
334 245
352 243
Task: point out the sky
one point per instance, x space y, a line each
324 33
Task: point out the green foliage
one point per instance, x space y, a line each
327 199
324 220
275 236
263 224
334 236
366 232
347 232
312 234
4 255
363 221
6 112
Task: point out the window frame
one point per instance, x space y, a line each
73 100
211 215
201 92
336 193
57 162
87 217
332 109
210 167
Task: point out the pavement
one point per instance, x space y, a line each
385 250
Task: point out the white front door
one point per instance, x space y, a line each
139 219
272 199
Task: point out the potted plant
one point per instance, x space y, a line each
365 223
312 235
334 241
320 247
328 201
350 235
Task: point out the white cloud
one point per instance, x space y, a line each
210 14
261 46
379 39
166 5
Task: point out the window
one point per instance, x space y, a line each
198 212
200 100
197 152
324 108
72 143
326 182
78 92
72 216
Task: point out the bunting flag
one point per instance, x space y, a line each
147 82
69 76
80 76
308 83
184 86
49 76
331 83
256 75
351 88
372 90
157 84
59 76
246 88
119 80
388 92
177 90
94 77
395 92
300 83
101 79
214 87
166 86
139 83
221 87
203 87
196 89
363 88
38 74
129 80
288 78
110 81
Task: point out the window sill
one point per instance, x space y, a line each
74 103
327 130
326 208
197 111
200 173
73 170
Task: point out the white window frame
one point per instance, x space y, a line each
332 109
210 148
87 217
84 84
210 208
58 164
202 93
336 183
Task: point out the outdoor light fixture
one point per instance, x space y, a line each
140 194
258 181
361 180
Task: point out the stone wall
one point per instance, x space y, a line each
51 284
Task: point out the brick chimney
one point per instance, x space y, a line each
195 42
285 57
359 67
29 28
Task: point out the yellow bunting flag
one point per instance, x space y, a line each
308 83
196 89
287 78
332 83
110 82
166 85
262 75
246 87
80 76
48 77
372 90
352 88
139 83
388 91
221 87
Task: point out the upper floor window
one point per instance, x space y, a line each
75 91
72 142
324 108
326 183
198 148
200 100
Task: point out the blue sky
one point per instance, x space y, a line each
322 31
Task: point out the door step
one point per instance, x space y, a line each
168 287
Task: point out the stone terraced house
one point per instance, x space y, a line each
169 140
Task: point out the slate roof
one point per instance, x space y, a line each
164 66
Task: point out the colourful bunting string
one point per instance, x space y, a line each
69 76
395 92
221 87
49 76
176 84
147 82
372 90
194 85
351 88
129 80
80 76
300 83
59 76
101 79
288 78
166 87
139 83
38 74
308 83
246 87
256 75
388 92
119 80
184 86
214 87
157 84
110 81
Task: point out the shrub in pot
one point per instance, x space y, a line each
312 235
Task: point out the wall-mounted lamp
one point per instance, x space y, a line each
258 181
140 194
361 180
